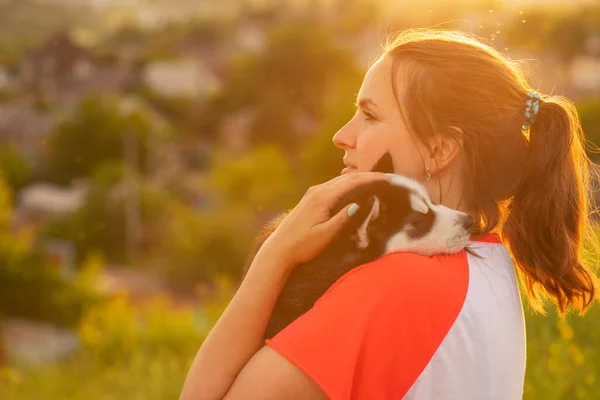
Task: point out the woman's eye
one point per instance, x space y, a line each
369 116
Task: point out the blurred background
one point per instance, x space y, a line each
143 143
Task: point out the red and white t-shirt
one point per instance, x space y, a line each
412 327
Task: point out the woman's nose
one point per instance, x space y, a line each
344 139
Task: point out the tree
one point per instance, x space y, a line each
201 246
93 135
296 74
31 285
589 111
261 180
99 224
554 30
16 170
567 36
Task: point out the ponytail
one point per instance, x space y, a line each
547 218
531 187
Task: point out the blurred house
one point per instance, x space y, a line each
57 58
214 57
60 69
25 127
42 200
186 77
34 343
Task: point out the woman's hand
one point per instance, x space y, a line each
309 227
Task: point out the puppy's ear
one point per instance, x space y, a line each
363 238
418 204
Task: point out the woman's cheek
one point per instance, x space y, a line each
370 148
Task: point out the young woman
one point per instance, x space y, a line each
458 116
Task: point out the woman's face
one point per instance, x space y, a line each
377 129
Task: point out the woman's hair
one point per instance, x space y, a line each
529 185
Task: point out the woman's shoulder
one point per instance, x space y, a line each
407 276
382 319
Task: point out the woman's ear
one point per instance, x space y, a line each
446 147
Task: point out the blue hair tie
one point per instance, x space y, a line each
533 107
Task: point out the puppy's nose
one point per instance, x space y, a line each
467 222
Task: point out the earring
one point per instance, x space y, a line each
427 174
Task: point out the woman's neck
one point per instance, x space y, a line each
449 191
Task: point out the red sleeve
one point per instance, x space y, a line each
373 332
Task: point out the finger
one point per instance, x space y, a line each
336 190
333 225
342 178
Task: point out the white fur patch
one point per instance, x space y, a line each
363 239
409 183
418 204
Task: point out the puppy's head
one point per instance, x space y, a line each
398 215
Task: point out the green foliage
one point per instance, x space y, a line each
94 135
589 111
14 167
562 32
260 180
182 111
113 332
99 224
31 285
320 160
562 357
142 377
300 73
128 352
198 246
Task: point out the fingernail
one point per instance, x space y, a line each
353 209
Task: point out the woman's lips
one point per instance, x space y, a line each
348 170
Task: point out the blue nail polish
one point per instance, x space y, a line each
353 209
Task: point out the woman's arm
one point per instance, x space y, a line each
237 336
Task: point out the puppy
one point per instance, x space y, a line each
395 215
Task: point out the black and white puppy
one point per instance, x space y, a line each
394 215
